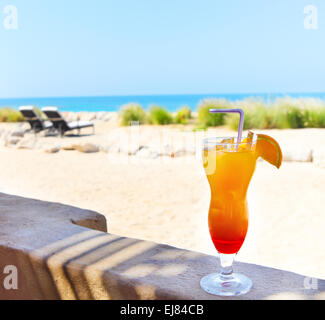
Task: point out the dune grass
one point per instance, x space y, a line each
207 119
291 113
256 115
132 112
183 115
159 115
316 118
10 115
283 113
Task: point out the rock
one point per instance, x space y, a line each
183 151
123 149
298 155
27 144
107 117
104 149
91 117
191 150
87 116
11 141
103 116
319 157
167 150
121 144
115 148
87 148
52 150
18 133
147 153
70 116
68 147
180 153
131 150
100 115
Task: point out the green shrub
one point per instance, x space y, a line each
286 117
284 113
321 118
315 117
288 113
132 112
311 117
159 115
10 115
256 115
183 115
207 119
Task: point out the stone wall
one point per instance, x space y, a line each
63 252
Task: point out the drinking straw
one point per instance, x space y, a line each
241 119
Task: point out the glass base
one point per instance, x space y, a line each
233 285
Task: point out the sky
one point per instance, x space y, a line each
145 47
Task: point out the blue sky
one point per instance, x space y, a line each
136 47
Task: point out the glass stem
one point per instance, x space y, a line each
226 261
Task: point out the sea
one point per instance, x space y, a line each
170 102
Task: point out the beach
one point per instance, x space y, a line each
157 190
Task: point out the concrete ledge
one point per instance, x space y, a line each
62 252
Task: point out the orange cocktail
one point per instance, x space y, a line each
229 164
229 169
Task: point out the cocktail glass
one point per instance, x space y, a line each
229 166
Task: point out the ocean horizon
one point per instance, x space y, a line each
114 103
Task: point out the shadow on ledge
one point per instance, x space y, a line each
63 252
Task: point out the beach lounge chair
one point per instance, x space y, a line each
37 124
63 126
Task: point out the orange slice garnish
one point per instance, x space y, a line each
248 142
250 137
269 150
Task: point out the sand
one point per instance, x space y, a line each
167 202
